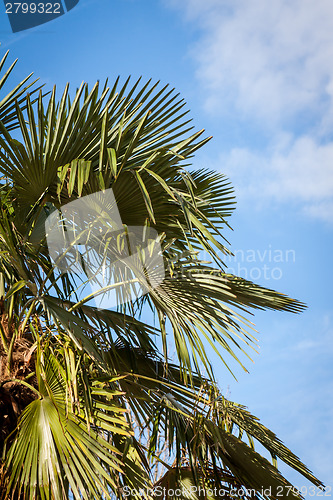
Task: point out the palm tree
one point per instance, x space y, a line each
91 403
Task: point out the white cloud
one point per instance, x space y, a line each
268 65
294 170
269 60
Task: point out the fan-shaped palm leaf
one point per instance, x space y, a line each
99 396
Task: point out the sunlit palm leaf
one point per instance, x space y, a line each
8 115
60 448
106 397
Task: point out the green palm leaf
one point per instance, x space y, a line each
94 389
60 449
16 97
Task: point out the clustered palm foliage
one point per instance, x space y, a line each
89 397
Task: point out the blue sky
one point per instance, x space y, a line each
258 77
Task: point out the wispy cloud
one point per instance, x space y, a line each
294 170
270 64
270 59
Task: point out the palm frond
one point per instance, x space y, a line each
202 422
61 451
16 97
104 395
